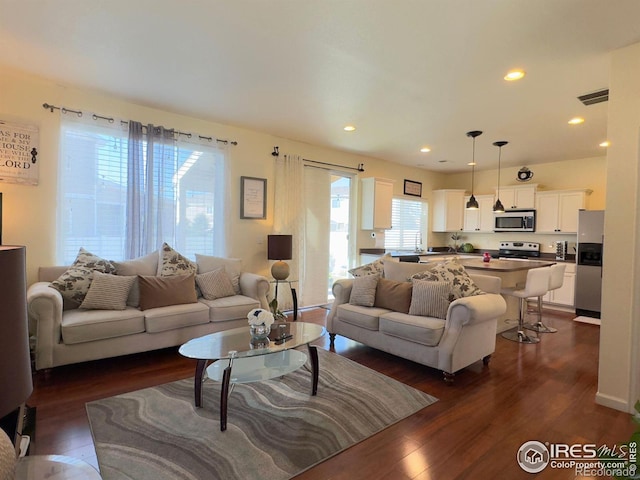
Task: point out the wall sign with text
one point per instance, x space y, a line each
19 153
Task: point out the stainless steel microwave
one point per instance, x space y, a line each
515 221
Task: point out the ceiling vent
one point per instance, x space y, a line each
595 97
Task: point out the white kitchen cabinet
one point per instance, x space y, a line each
480 219
517 196
557 211
377 195
564 295
447 212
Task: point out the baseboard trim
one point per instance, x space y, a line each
613 402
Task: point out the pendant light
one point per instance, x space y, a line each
498 207
472 204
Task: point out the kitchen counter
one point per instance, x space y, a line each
497 265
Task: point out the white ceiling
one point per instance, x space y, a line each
407 73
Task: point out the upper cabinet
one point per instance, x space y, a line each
377 195
517 196
480 219
557 211
448 208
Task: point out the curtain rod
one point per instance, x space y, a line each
64 110
359 168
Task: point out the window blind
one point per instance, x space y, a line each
408 220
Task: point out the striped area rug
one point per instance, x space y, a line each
275 428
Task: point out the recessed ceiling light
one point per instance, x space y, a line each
349 128
576 121
605 144
514 75
471 164
425 149
443 161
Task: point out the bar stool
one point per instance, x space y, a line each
537 285
556 279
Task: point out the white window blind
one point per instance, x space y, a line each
93 192
408 220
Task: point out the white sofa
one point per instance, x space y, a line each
465 336
66 336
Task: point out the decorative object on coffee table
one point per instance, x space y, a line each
260 322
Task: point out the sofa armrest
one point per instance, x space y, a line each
255 286
476 309
341 293
44 309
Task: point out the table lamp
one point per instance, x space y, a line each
279 248
15 362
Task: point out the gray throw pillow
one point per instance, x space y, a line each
363 291
108 292
430 299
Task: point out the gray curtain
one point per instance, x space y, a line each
151 195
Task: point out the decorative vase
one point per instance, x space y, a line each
259 332
486 257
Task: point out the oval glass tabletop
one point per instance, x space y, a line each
237 342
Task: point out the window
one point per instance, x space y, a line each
94 191
408 220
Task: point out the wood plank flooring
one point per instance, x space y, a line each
539 392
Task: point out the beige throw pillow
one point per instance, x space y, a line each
108 292
430 299
215 284
363 291
233 266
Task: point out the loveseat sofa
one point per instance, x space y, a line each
157 311
465 332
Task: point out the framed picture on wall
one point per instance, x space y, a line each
412 188
253 197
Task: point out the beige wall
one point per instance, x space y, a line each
618 382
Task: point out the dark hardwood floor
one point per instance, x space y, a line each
539 392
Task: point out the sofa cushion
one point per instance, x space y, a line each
402 271
430 299
363 291
74 283
79 326
233 266
215 284
108 292
147 265
175 316
424 330
365 317
393 295
452 271
373 268
173 263
230 308
163 291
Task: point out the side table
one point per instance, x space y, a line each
54 467
294 295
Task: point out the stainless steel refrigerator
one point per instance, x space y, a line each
589 262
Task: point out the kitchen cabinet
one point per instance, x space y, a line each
518 196
564 295
447 212
480 219
557 211
377 195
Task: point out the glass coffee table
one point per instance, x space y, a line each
247 360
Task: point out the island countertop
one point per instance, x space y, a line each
500 265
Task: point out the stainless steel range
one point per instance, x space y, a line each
519 250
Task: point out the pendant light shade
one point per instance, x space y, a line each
498 207
472 204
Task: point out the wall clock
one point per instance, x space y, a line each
524 175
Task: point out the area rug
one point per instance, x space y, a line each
275 428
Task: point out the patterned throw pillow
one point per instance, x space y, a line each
430 299
215 284
233 266
74 284
108 292
173 263
363 291
373 268
454 272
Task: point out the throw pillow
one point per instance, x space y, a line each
173 263
74 284
215 284
163 291
430 299
373 268
147 265
454 272
363 291
108 292
393 295
233 266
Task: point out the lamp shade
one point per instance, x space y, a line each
15 362
279 247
